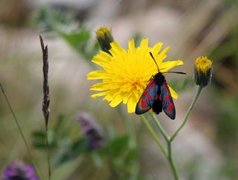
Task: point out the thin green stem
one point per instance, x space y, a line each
19 129
188 113
171 162
169 147
48 154
168 153
162 130
154 135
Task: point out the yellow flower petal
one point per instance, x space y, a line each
98 94
116 100
144 43
162 55
131 104
115 49
101 59
173 93
166 66
98 74
156 49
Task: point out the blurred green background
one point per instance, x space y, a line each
207 146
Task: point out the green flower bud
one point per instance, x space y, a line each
104 38
203 71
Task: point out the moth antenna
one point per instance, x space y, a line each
176 72
154 61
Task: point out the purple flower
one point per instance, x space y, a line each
19 171
91 129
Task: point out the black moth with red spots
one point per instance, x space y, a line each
156 96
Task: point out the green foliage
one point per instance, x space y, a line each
39 141
117 145
79 41
64 147
120 156
228 124
137 38
226 55
230 168
116 151
231 2
228 48
70 151
48 19
66 26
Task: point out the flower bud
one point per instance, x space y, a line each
203 71
104 38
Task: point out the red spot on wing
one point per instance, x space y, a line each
147 98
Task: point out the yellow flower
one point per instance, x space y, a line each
125 73
203 71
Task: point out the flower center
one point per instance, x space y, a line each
136 85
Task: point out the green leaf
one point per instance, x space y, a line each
70 152
79 146
137 38
39 139
79 41
40 145
131 156
118 145
39 134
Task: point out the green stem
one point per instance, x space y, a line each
168 153
171 162
20 130
188 113
48 154
162 130
169 147
154 135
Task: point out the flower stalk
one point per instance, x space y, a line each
171 161
199 89
168 153
154 135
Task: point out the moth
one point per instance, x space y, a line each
157 96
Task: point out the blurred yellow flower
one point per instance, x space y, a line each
125 73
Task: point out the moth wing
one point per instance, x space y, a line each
167 101
148 97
